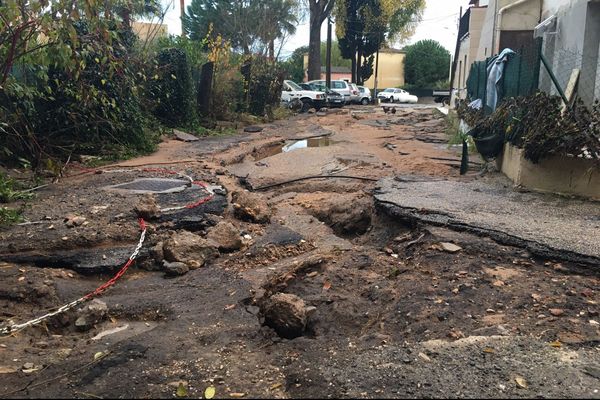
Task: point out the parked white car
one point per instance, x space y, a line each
292 91
394 95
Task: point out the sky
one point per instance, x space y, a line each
440 22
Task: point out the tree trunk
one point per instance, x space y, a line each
272 50
314 48
353 67
359 80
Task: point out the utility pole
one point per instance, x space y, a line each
376 72
182 8
328 61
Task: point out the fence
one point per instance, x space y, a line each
520 77
539 67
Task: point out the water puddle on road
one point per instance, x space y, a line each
293 145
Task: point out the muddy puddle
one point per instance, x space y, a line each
293 145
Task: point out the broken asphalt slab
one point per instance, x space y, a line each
547 225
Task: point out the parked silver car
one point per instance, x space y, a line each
365 95
342 87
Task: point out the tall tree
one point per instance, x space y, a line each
248 24
426 63
364 26
278 18
319 11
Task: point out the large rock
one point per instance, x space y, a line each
226 235
287 314
91 314
190 249
147 208
175 268
250 207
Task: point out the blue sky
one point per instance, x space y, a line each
440 22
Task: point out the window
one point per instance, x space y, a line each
293 85
338 85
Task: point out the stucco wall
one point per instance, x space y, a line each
522 17
391 71
575 45
566 175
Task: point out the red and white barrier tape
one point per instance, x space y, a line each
18 327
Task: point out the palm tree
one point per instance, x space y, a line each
279 18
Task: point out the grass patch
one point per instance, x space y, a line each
10 190
9 216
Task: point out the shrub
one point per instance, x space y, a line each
173 89
264 88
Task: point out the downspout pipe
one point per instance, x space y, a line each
499 22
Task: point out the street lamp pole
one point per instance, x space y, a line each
328 60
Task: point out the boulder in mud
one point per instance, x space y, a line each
226 235
287 314
175 268
88 316
250 207
190 249
147 208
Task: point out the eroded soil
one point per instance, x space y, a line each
392 314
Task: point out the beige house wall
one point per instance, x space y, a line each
148 30
391 70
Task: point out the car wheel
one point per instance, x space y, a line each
306 105
391 99
364 101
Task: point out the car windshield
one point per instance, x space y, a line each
293 85
389 90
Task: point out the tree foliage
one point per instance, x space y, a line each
364 26
249 25
69 82
426 63
294 65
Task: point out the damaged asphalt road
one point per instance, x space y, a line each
378 288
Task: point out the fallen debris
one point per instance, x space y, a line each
250 207
91 314
450 247
226 235
184 137
287 314
190 249
147 208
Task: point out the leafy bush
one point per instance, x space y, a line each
264 88
86 104
173 89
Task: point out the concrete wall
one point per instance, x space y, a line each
459 83
575 45
468 53
565 175
391 71
522 17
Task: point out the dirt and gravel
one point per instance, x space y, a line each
282 287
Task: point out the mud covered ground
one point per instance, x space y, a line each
387 307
